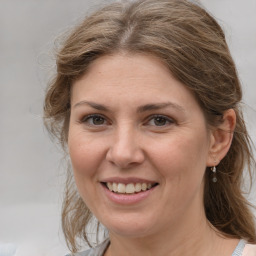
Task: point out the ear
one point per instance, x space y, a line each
221 138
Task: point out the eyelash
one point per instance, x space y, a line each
153 118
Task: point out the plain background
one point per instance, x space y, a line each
31 172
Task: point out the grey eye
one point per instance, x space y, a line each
160 121
94 120
98 120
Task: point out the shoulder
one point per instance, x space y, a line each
249 250
97 251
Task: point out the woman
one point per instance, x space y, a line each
146 102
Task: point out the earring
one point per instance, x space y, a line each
214 179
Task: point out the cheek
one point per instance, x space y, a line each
84 154
182 156
181 163
85 157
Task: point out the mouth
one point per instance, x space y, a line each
131 188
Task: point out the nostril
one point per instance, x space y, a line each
125 153
125 161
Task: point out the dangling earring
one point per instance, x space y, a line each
214 179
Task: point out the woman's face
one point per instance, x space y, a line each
138 131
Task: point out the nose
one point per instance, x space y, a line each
125 150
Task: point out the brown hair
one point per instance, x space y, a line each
192 44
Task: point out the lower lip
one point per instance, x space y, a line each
127 199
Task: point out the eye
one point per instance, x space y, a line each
159 120
94 120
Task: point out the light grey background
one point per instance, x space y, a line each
31 173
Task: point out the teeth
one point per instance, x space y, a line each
121 188
110 186
114 187
137 187
144 186
129 188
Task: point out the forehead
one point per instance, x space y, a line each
127 66
132 79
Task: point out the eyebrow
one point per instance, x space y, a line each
91 104
140 109
157 106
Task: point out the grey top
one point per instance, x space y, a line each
101 248
239 249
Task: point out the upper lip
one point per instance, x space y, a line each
127 180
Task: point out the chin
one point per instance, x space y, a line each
130 228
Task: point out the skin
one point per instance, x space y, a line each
113 134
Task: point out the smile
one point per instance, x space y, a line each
131 188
